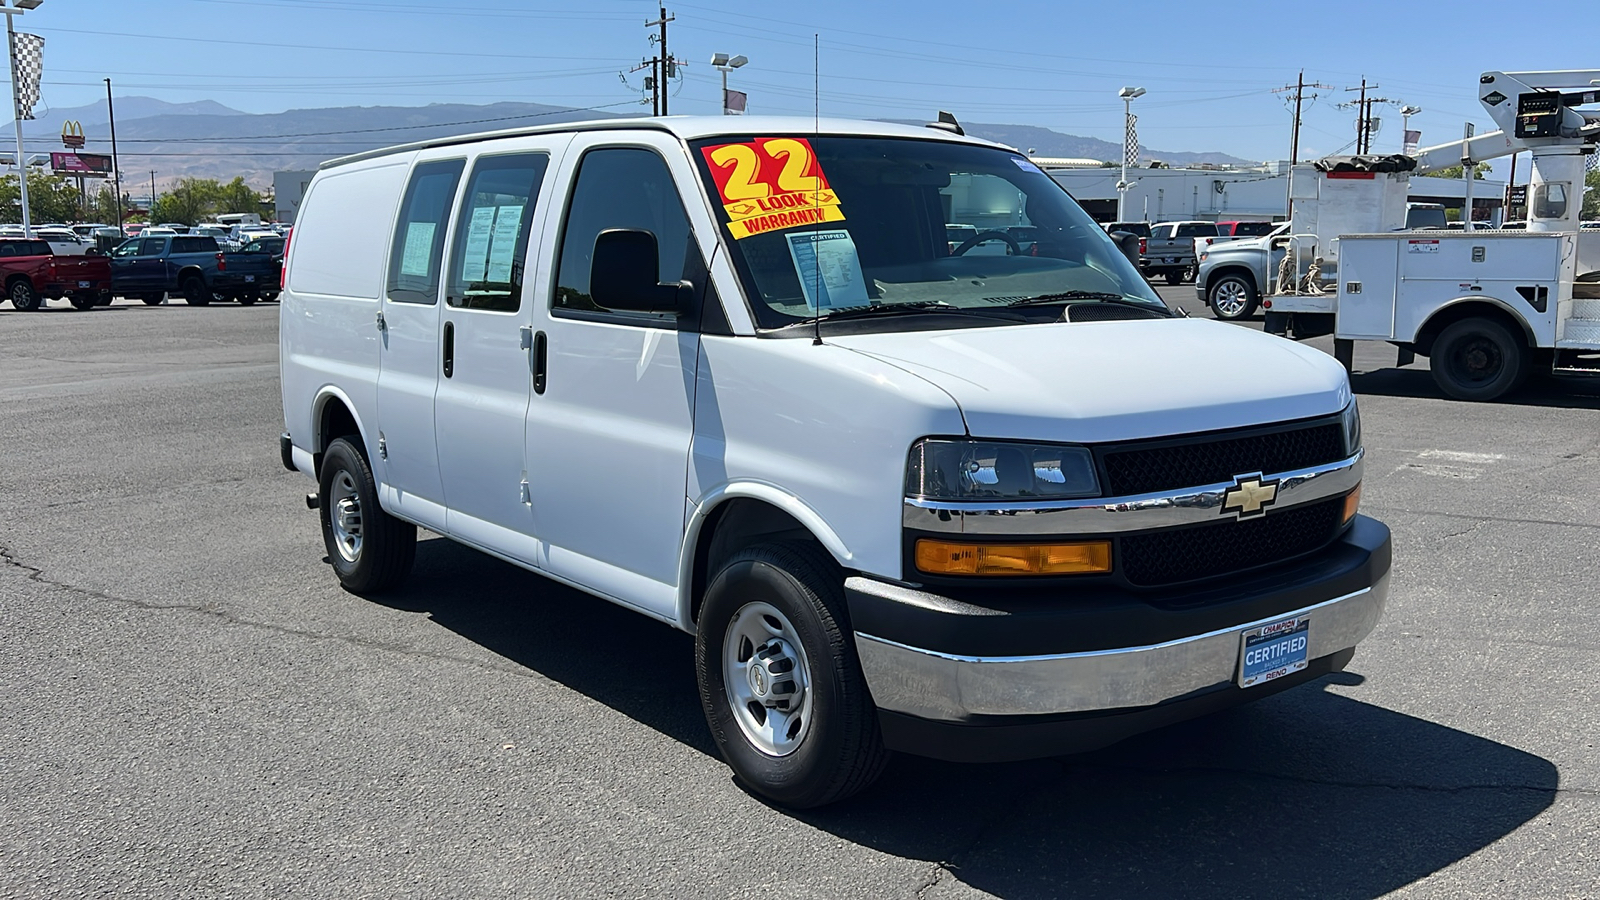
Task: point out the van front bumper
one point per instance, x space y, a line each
1034 674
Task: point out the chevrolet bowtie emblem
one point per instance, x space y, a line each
1249 496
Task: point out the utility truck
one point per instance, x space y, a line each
1488 308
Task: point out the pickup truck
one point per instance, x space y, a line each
1232 275
1170 250
32 274
1233 231
148 268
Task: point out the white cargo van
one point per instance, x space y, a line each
733 374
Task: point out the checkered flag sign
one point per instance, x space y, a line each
1130 144
28 51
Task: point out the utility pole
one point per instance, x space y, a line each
1363 108
116 171
1299 88
152 216
663 66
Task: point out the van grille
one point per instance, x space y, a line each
1174 556
1135 470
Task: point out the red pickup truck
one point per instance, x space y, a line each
31 273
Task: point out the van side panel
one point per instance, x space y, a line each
327 323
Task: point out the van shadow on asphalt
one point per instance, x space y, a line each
1306 793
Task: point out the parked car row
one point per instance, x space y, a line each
1171 250
147 268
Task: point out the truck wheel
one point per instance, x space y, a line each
84 301
1478 359
1175 277
152 299
105 298
1232 297
195 292
248 299
23 296
371 551
779 678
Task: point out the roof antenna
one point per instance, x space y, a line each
947 122
816 185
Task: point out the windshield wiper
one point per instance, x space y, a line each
924 307
1102 296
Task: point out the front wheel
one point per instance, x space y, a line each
83 300
779 679
371 551
23 296
248 298
1176 276
1231 298
1478 359
152 299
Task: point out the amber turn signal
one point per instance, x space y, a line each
949 558
1352 502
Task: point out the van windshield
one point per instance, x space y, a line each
826 226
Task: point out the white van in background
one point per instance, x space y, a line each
738 375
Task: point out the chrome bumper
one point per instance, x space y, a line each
946 687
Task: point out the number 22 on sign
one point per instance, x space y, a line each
771 184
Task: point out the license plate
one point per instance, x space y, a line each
1273 651
1172 259
83 284
249 278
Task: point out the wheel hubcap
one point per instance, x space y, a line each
344 516
1479 360
767 679
1229 298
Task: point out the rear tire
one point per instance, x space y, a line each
105 298
1231 298
779 678
1175 277
84 301
371 551
195 292
1478 359
23 296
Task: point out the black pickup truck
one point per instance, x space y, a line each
149 268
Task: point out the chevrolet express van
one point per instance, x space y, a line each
733 374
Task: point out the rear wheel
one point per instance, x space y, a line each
1478 359
105 298
23 296
83 300
779 679
195 292
1232 297
371 551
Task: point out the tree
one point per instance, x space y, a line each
1591 197
236 196
187 202
51 198
1479 172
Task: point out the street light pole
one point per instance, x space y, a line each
724 63
116 170
16 110
1127 94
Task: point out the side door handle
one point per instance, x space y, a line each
382 324
449 349
541 355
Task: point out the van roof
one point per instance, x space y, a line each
687 128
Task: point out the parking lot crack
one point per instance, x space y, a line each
9 560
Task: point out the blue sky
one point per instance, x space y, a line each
1209 74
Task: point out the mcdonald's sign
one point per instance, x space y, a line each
72 135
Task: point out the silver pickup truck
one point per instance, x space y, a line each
1170 249
1231 276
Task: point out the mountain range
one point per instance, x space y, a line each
205 139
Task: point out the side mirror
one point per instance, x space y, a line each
1128 243
622 275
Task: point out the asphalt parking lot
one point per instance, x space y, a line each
191 707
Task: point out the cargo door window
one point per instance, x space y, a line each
418 248
620 187
1550 200
491 242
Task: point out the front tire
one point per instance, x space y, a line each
371 551
84 301
248 299
1478 359
1175 277
23 296
1232 297
779 679
152 299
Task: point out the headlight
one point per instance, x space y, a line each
1351 420
997 470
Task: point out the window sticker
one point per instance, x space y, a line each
829 269
1026 165
475 256
771 184
418 252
